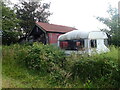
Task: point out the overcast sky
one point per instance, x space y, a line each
79 13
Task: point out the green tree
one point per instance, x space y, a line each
31 11
10 25
112 23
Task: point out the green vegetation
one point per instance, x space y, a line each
31 11
45 66
18 21
9 25
113 25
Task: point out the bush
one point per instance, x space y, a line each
44 58
102 70
91 69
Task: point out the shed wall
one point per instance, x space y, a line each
53 37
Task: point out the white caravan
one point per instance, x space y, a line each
83 42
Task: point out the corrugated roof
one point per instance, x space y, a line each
55 28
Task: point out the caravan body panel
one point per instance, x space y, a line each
97 36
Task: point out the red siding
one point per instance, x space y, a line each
53 37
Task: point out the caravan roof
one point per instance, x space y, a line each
77 34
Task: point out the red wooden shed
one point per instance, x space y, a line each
47 33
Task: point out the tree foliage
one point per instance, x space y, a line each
10 25
19 20
9 19
9 37
112 23
31 11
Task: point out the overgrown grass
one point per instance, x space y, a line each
45 66
13 71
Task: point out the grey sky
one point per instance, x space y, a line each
79 13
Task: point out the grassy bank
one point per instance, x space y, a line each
44 66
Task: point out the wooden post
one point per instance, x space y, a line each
47 38
119 8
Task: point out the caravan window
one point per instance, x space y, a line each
80 44
72 44
93 43
63 44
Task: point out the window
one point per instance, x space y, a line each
80 44
72 44
93 43
64 44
